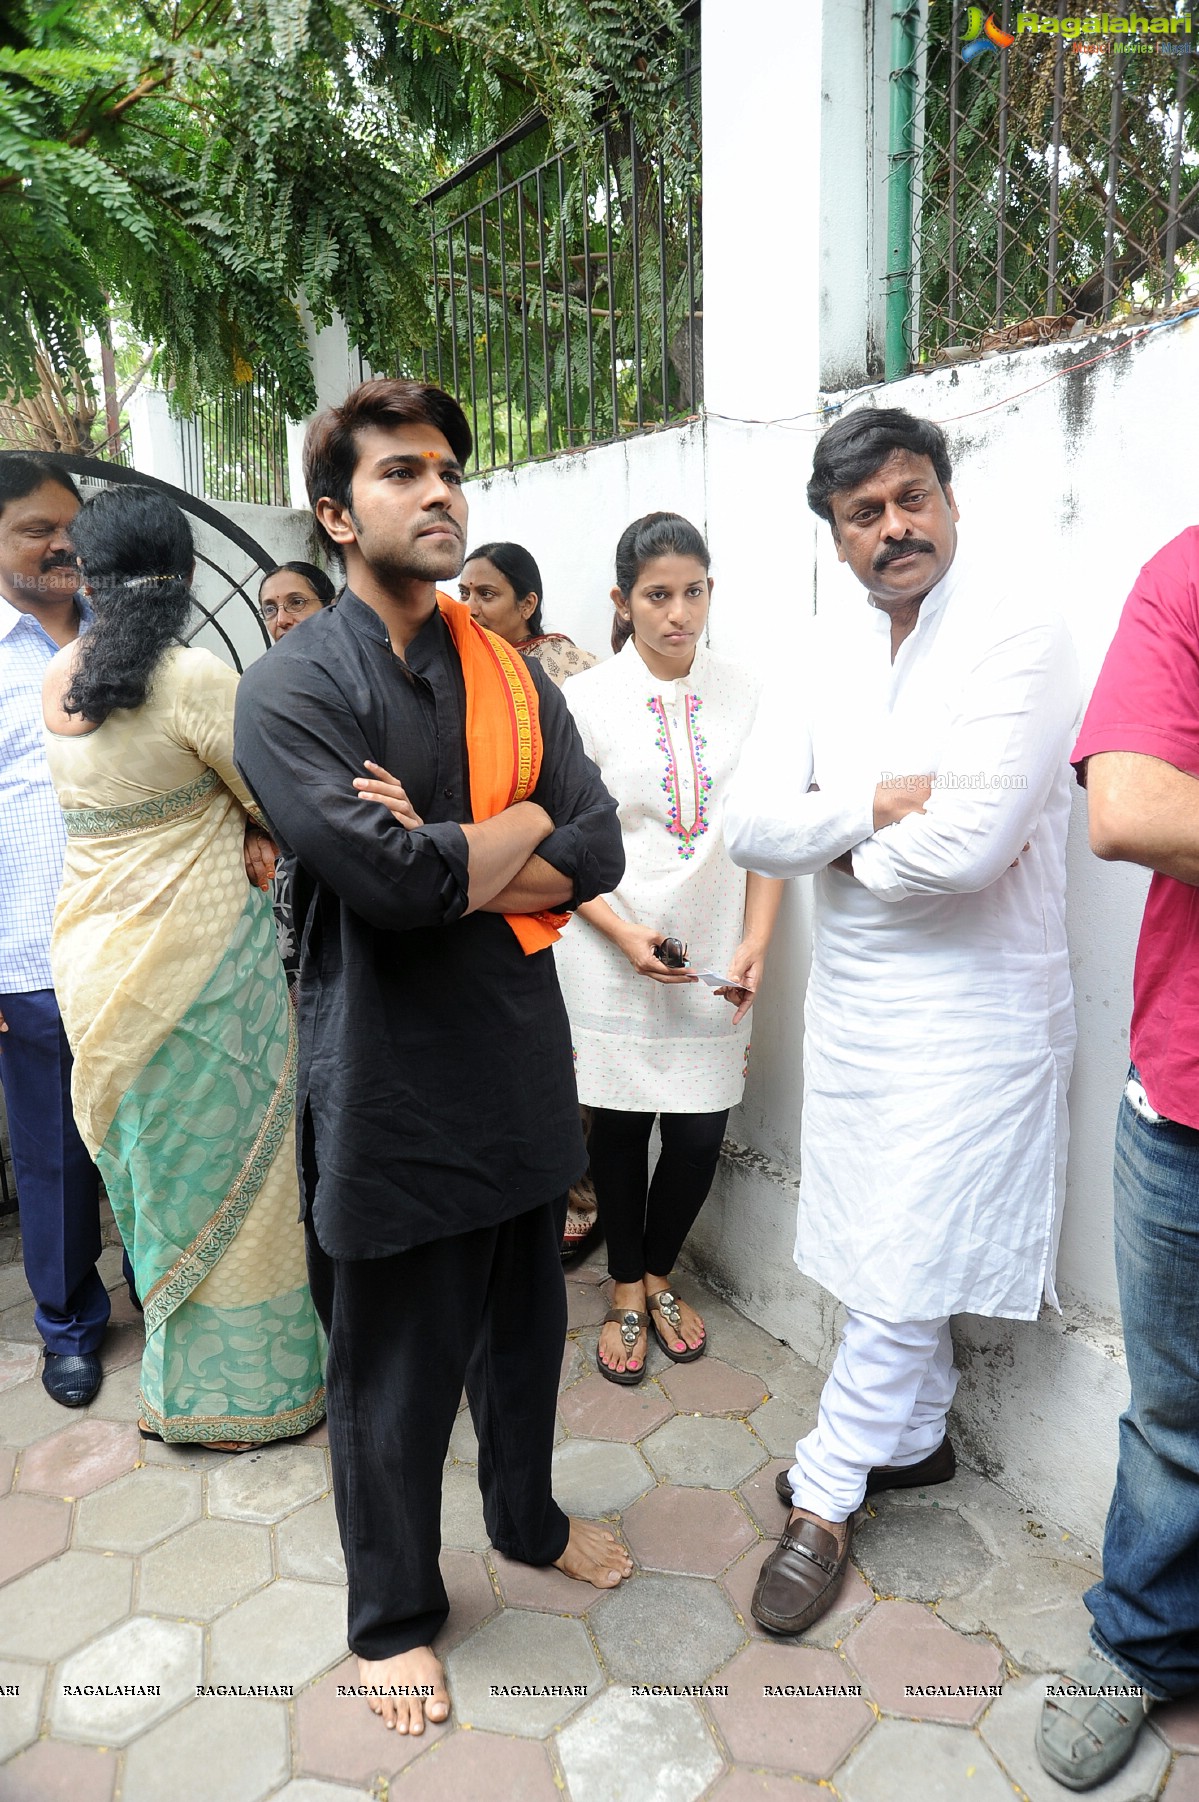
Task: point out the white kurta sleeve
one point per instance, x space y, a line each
1006 746
774 822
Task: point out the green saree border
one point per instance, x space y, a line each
260 1429
218 1233
142 816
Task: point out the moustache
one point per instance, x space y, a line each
904 549
58 561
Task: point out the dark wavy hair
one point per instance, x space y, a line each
21 474
331 441
324 590
519 567
860 442
137 554
653 535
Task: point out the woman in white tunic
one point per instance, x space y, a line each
665 721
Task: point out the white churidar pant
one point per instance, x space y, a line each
884 1402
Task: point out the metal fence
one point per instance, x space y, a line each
567 286
234 448
1043 169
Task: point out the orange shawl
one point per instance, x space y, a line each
503 739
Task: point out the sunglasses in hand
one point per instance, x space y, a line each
672 953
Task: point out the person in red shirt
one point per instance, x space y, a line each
1138 757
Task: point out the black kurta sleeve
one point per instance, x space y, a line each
586 846
299 745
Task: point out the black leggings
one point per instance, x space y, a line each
646 1222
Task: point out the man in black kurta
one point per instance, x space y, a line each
435 1105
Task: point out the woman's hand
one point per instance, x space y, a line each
638 944
747 966
381 786
259 852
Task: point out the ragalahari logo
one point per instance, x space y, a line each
982 34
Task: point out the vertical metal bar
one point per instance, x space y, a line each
1115 66
524 317
612 372
565 262
951 297
585 190
436 295
635 224
694 377
898 349
470 332
482 212
1001 196
499 210
663 311
449 251
545 317
1055 145
1180 101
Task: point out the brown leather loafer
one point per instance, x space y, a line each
800 1577
938 1467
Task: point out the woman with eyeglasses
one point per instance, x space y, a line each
292 593
665 721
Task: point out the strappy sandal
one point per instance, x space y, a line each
632 1325
666 1303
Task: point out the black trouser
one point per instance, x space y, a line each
485 1308
646 1222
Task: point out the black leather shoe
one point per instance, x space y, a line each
938 1467
71 1380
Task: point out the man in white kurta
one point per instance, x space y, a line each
915 763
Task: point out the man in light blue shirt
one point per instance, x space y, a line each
57 1183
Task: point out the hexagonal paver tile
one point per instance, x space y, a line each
539 1653
598 1409
710 1386
314 1789
123 1345
462 1522
288 1633
757 1786
8 1464
852 1600
594 1477
586 1305
1184 1781
480 1764
205 1569
913 1664
697 1532
464 1443
808 1733
337 1735
665 1630
51 1610
704 1454
18 1363
140 1657
909 1761
572 1365
138 1510
1009 1728
542 1587
736 1340
232 1747
472 1599
780 1424
656 1748
308 1544
21 1687
1178 1724
757 1492
266 1485
80 1458
32 1529
54 1772
14 1290
919 1553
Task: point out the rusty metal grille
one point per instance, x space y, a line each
1052 182
567 284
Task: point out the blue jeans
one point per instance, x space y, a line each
1146 1609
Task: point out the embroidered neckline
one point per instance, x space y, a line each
697 744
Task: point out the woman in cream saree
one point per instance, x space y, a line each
174 998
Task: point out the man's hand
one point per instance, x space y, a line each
259 853
380 785
898 797
638 944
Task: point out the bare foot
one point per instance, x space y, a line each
594 1555
406 1690
692 1331
612 1349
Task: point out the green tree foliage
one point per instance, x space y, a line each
200 167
